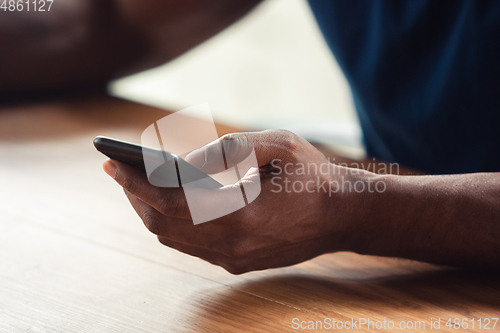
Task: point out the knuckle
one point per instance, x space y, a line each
235 141
230 143
164 205
129 184
171 205
238 146
228 137
289 140
152 222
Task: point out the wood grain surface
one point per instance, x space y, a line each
76 258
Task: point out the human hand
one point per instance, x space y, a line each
281 227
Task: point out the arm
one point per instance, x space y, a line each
451 220
305 210
89 42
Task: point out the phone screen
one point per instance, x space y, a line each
169 169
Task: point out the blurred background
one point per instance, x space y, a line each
272 69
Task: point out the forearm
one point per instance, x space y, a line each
89 42
451 220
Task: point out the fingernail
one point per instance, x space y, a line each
110 168
197 158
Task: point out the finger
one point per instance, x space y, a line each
205 236
206 205
168 201
223 204
212 257
209 158
159 224
234 148
232 265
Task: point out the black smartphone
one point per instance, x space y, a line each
169 170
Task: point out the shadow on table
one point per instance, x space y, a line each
419 296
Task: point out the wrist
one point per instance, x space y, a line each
388 222
360 210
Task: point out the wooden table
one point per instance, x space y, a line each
76 258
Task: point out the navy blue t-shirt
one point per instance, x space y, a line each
425 78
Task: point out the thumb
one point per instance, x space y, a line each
235 148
